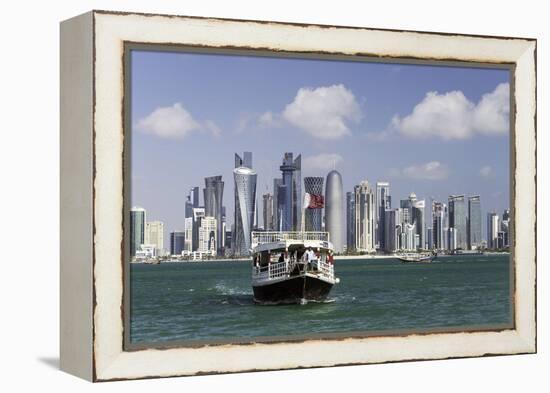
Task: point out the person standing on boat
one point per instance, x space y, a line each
311 258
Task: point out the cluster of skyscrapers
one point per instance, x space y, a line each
374 225
366 222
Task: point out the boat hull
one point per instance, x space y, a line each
293 290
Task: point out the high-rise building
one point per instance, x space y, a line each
208 235
213 200
292 180
188 234
392 233
419 214
177 242
137 229
314 217
414 214
505 227
409 237
245 196
198 216
245 187
268 211
277 205
383 203
439 225
192 201
350 221
474 222
429 238
365 217
334 210
458 219
492 230
154 235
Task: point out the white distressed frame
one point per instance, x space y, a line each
109 361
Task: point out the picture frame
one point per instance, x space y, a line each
93 270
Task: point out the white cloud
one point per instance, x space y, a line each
433 170
492 113
323 161
174 122
324 112
452 116
486 171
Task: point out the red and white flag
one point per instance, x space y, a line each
313 201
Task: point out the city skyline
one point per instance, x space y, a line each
373 133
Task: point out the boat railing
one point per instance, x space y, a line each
276 236
283 269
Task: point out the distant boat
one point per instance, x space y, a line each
281 273
414 257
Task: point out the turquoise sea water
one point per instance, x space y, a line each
213 300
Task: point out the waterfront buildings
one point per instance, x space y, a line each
291 212
314 217
458 220
137 229
474 222
268 211
334 210
177 242
383 203
245 200
492 230
154 235
350 221
192 201
213 201
365 216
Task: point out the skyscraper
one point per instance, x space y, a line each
213 200
137 229
492 230
458 220
350 221
198 216
414 214
192 201
314 217
505 227
277 183
154 235
248 190
474 222
177 242
418 213
195 196
292 180
245 187
334 210
383 203
268 211
392 225
439 225
365 217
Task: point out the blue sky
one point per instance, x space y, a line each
431 130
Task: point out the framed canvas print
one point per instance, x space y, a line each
246 195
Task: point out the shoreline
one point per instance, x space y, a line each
336 258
